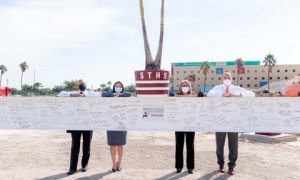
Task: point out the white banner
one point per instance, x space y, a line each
260 114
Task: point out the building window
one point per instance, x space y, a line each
255 78
177 72
212 71
198 79
212 78
263 71
248 71
184 72
286 78
255 85
226 70
278 77
263 78
198 72
241 78
177 85
198 85
271 78
241 85
233 71
286 70
294 70
177 79
248 85
248 78
278 70
255 71
233 78
219 78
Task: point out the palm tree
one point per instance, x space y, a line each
102 86
239 65
205 66
150 64
3 70
109 84
23 67
270 62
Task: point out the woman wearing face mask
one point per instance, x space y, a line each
116 139
185 91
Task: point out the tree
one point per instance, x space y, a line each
109 84
150 63
102 87
57 89
270 62
70 85
3 70
23 67
239 65
205 67
130 88
36 87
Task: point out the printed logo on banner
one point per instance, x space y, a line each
219 70
153 112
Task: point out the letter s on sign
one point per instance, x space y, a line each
165 75
141 75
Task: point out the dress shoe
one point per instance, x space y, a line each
114 170
70 172
190 171
221 169
119 168
84 169
230 171
179 170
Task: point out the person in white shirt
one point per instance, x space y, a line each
227 89
76 134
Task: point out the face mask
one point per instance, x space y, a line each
185 89
82 87
227 82
118 89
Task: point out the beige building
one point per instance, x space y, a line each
253 75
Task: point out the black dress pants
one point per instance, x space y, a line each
87 138
232 145
190 160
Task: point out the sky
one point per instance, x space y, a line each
101 40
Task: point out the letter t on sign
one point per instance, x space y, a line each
149 75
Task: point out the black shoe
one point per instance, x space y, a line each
179 170
84 169
70 172
114 170
118 166
190 171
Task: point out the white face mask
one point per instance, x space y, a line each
185 89
227 82
118 89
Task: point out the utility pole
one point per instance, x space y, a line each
33 77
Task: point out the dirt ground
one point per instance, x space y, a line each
148 155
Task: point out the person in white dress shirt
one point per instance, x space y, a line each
227 89
76 134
